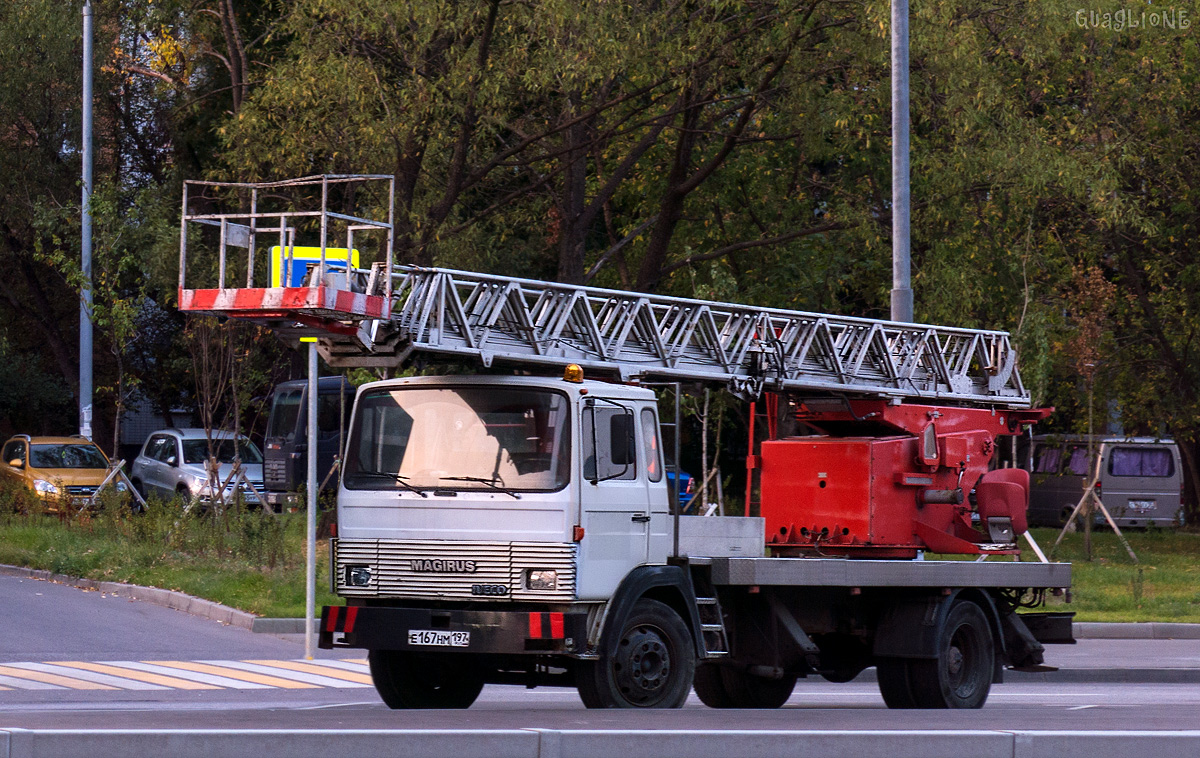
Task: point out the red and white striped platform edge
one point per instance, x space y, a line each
282 302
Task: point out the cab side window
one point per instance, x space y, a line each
651 451
13 451
606 457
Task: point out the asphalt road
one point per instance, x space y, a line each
72 642
44 621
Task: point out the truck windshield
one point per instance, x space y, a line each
285 411
67 456
443 438
196 451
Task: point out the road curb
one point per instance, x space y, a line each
1085 676
555 743
179 601
1142 630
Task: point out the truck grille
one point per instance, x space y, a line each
78 490
495 563
275 474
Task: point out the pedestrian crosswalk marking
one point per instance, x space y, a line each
116 682
225 671
140 676
184 675
295 676
221 682
15 672
326 672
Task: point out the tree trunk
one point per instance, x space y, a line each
1188 449
573 234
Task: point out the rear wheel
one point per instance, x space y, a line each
961 675
652 666
738 689
894 682
710 688
408 680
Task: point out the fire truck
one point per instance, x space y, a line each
516 526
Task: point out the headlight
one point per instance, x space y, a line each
541 579
358 576
122 487
44 487
197 484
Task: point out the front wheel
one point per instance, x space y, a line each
652 666
409 680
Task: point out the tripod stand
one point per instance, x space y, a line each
1089 500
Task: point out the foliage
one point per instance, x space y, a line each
252 560
1162 587
735 150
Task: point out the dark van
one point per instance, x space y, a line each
285 445
1140 482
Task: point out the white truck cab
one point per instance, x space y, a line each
497 489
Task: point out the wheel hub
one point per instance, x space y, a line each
642 664
954 661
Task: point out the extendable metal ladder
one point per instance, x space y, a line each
383 315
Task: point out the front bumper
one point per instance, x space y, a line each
282 500
498 632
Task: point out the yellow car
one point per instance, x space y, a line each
58 469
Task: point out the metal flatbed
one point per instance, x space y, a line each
858 572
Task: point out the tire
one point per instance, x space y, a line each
408 680
710 687
653 665
747 691
894 685
961 675
141 488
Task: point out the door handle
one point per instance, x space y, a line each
640 519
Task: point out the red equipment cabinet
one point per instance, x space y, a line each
888 480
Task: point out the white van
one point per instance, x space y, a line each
1141 479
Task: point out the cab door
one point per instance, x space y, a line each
660 542
615 508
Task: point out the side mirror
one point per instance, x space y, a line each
17 463
172 461
620 432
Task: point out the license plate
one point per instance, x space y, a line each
1141 506
438 638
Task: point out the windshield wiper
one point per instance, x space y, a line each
489 482
400 479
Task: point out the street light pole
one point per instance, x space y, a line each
902 294
310 562
85 305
